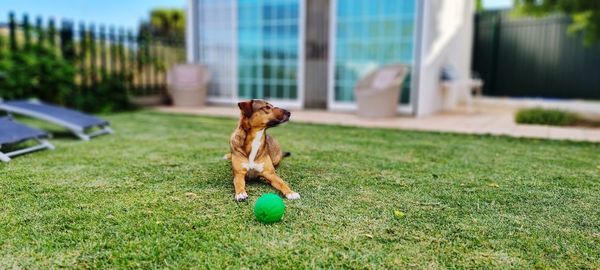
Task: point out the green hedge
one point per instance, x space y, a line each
550 117
40 72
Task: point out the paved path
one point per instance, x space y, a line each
479 121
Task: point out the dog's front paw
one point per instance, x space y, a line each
292 196
242 196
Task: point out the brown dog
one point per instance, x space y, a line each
254 154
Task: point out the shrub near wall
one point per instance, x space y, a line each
545 117
109 95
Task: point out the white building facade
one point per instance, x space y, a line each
311 53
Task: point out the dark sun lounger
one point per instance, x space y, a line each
12 133
75 121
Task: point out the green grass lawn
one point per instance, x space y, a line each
157 195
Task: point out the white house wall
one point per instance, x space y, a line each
446 40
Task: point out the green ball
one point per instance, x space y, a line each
269 208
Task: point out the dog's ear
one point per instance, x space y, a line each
246 108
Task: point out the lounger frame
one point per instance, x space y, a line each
42 144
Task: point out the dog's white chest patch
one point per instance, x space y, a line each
255 146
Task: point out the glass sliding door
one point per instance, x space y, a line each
253 49
217 46
367 35
269 49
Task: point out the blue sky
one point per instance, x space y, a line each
126 13
495 4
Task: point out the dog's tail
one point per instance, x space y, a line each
227 156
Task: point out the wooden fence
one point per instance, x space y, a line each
99 51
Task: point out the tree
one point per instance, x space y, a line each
165 24
479 6
585 14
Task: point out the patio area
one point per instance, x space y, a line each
494 117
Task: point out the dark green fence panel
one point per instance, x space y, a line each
534 57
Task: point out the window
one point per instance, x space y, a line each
370 34
268 37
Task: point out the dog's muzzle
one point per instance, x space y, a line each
276 122
286 116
